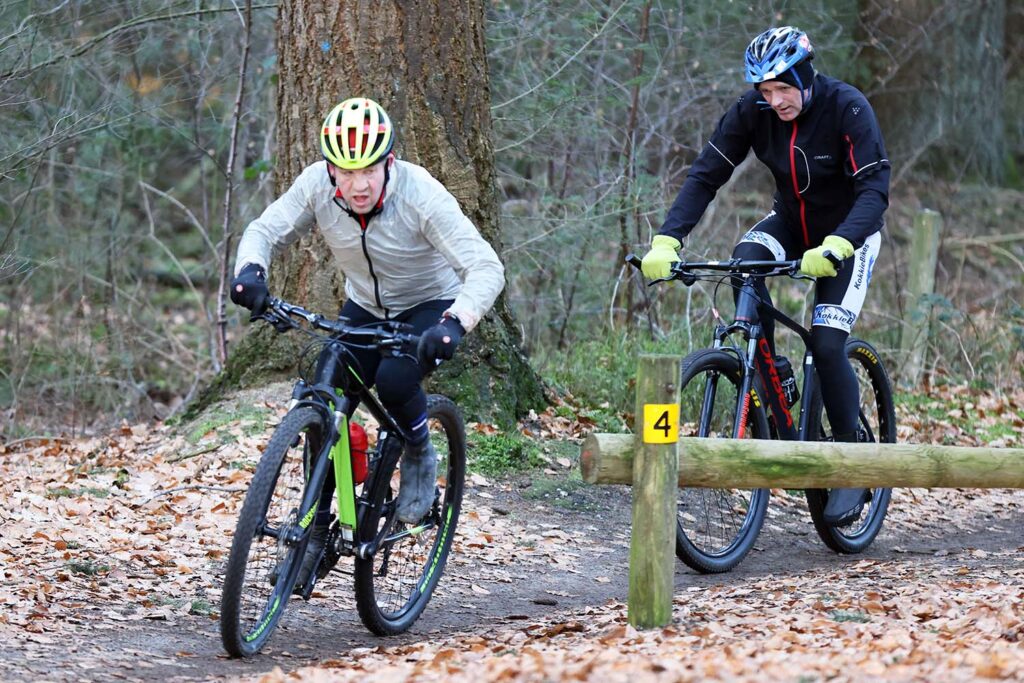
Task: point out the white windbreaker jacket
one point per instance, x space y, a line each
420 247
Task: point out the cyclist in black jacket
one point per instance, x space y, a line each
819 138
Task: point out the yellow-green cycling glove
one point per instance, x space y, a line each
814 262
658 261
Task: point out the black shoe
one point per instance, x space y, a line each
844 506
314 555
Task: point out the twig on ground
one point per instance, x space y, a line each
16 442
186 456
225 489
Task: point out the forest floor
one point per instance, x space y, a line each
113 548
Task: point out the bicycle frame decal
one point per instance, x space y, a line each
342 458
440 546
744 412
304 522
775 381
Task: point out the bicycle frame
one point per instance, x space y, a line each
758 358
323 394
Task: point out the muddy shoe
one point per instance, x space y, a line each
844 506
314 554
419 476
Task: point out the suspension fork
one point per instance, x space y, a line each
745 397
321 461
748 320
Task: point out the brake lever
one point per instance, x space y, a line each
280 323
686 278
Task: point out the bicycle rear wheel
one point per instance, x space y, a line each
877 423
716 528
263 565
394 584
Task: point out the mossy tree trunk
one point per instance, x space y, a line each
425 62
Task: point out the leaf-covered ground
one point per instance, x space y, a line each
111 549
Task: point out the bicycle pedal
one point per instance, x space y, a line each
305 591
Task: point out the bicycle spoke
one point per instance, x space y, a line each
716 527
393 586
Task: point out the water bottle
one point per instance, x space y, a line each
788 380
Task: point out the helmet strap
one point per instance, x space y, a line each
364 219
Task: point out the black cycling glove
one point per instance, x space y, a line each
439 342
249 288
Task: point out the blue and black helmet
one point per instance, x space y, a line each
775 52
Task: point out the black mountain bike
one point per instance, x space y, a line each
738 389
397 566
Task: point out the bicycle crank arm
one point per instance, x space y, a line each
367 550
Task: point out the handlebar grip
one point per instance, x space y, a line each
833 259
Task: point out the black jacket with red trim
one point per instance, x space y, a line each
830 166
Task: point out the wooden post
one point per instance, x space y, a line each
924 255
654 477
750 463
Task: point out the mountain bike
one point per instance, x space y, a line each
396 566
739 389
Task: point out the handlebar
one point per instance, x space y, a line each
387 335
687 271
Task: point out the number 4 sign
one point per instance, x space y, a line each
661 423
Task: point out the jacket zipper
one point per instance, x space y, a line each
796 186
366 253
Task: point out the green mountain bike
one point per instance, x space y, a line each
396 566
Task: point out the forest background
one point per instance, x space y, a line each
120 185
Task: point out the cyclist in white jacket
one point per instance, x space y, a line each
407 252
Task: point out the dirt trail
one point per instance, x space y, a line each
548 559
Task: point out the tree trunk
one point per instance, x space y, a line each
936 83
425 62
749 463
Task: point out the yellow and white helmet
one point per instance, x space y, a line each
356 134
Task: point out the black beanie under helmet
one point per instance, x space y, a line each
802 71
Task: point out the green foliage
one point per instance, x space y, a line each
502 453
87 567
564 492
253 420
600 373
201 607
65 492
850 615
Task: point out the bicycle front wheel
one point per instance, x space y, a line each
716 528
394 584
264 564
877 424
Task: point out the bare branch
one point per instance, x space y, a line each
128 25
566 63
222 320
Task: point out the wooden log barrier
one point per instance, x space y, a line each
727 463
